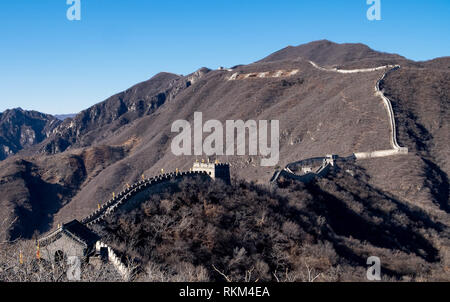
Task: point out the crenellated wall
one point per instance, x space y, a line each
309 166
214 170
129 194
123 270
318 167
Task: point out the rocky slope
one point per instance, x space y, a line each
20 129
104 119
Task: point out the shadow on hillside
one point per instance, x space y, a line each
415 135
385 234
45 200
438 183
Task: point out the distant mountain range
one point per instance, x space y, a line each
62 117
54 171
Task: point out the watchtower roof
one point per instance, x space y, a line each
74 229
82 232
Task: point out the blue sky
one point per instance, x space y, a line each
54 65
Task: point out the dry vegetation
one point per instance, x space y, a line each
18 263
33 270
323 231
201 230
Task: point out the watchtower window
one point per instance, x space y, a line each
59 257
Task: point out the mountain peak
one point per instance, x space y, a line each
326 52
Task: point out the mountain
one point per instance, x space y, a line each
87 158
20 129
104 119
325 52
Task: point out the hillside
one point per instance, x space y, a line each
113 143
206 231
103 120
21 129
325 53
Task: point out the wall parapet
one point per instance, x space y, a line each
112 205
123 270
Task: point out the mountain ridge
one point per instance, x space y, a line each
325 52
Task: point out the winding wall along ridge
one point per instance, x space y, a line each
112 205
396 149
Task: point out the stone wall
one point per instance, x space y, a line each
65 243
209 168
388 105
214 170
396 149
123 270
306 177
140 189
380 153
353 70
310 168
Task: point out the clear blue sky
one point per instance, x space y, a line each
53 65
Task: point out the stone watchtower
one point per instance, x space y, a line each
71 239
214 170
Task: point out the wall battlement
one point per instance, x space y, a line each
214 170
308 169
81 243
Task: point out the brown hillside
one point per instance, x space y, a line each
325 52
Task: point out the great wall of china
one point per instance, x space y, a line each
128 196
310 168
327 162
129 193
123 269
396 149
125 196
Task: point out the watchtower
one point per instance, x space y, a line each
71 239
214 170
